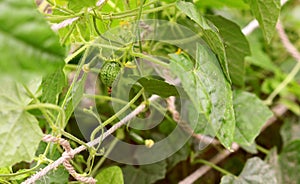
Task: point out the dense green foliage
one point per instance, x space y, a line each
58 57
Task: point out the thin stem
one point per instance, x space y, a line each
73 138
79 149
90 163
161 110
75 67
69 92
20 173
108 98
99 33
120 16
223 171
48 106
132 10
283 84
115 116
138 27
68 34
44 112
110 47
5 182
76 166
262 149
54 5
70 57
98 165
46 149
152 59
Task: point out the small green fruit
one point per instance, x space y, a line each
109 73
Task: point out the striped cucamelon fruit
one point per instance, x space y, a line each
109 73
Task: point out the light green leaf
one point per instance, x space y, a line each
19 131
290 103
209 91
77 5
250 114
255 171
236 47
222 3
145 174
210 33
289 160
250 148
266 13
27 43
110 175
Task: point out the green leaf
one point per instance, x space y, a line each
159 87
56 176
255 171
273 161
290 104
250 115
222 3
52 86
210 33
19 131
145 173
77 5
290 130
236 47
27 43
208 90
266 13
289 160
258 56
75 97
179 156
250 148
110 175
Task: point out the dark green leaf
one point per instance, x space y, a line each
56 176
159 87
250 114
210 33
110 175
289 160
258 56
27 43
208 90
145 174
179 156
266 13
236 47
255 171
76 95
52 86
